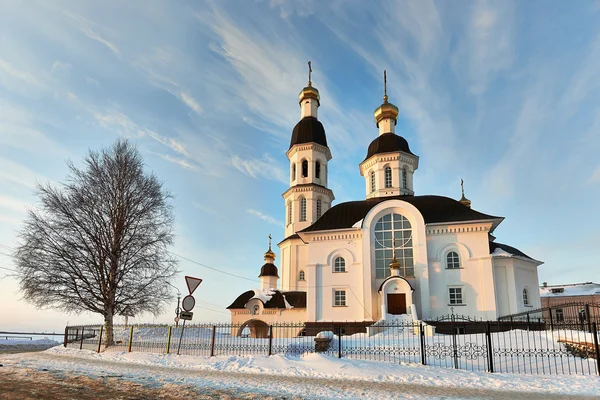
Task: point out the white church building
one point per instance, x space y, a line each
392 253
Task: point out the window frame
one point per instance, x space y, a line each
319 208
317 170
404 178
301 275
453 262
526 298
289 216
388 177
342 265
342 298
393 232
373 182
304 168
303 208
460 292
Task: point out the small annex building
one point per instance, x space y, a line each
392 253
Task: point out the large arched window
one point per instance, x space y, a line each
319 208
301 276
294 171
289 210
304 169
452 260
526 297
318 170
404 178
339 265
302 209
388 177
393 233
372 181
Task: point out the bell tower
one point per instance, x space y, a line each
389 166
308 196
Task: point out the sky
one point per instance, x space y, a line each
505 95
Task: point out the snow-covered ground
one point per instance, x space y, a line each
20 344
307 376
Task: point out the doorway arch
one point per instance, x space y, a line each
258 329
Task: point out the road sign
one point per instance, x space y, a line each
186 315
192 283
188 303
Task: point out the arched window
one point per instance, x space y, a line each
255 309
289 210
301 276
318 170
302 209
319 208
393 233
294 171
372 181
526 297
304 169
339 265
388 177
404 178
452 260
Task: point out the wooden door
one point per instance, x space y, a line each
396 303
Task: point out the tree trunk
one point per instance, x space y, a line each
108 328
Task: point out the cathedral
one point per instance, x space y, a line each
393 253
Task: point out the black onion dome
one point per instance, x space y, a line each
388 143
309 130
268 270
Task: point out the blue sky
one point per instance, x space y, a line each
504 95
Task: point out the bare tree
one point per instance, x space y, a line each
99 242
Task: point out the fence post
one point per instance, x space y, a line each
339 342
82 336
66 335
587 315
212 341
100 338
270 339
595 334
130 339
551 319
454 349
528 327
422 339
168 340
488 336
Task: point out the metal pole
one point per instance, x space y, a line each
100 338
422 339
488 336
169 339
181 336
66 335
339 342
270 339
595 334
587 316
130 339
82 336
212 341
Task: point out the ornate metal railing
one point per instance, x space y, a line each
468 344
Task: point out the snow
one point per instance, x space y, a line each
249 373
325 335
498 252
576 289
264 295
287 305
20 344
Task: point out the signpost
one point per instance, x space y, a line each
188 304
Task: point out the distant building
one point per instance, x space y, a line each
587 292
392 253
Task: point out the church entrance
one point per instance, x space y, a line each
257 329
396 303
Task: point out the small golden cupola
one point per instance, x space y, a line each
268 273
386 115
463 200
309 98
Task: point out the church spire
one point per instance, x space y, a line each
309 98
386 115
269 255
463 200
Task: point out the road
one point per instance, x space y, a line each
53 377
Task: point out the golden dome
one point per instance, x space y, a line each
269 254
309 92
395 264
386 110
463 200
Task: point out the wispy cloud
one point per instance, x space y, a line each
260 168
595 176
85 26
266 218
181 162
18 73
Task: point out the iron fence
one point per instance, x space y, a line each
468 345
579 315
